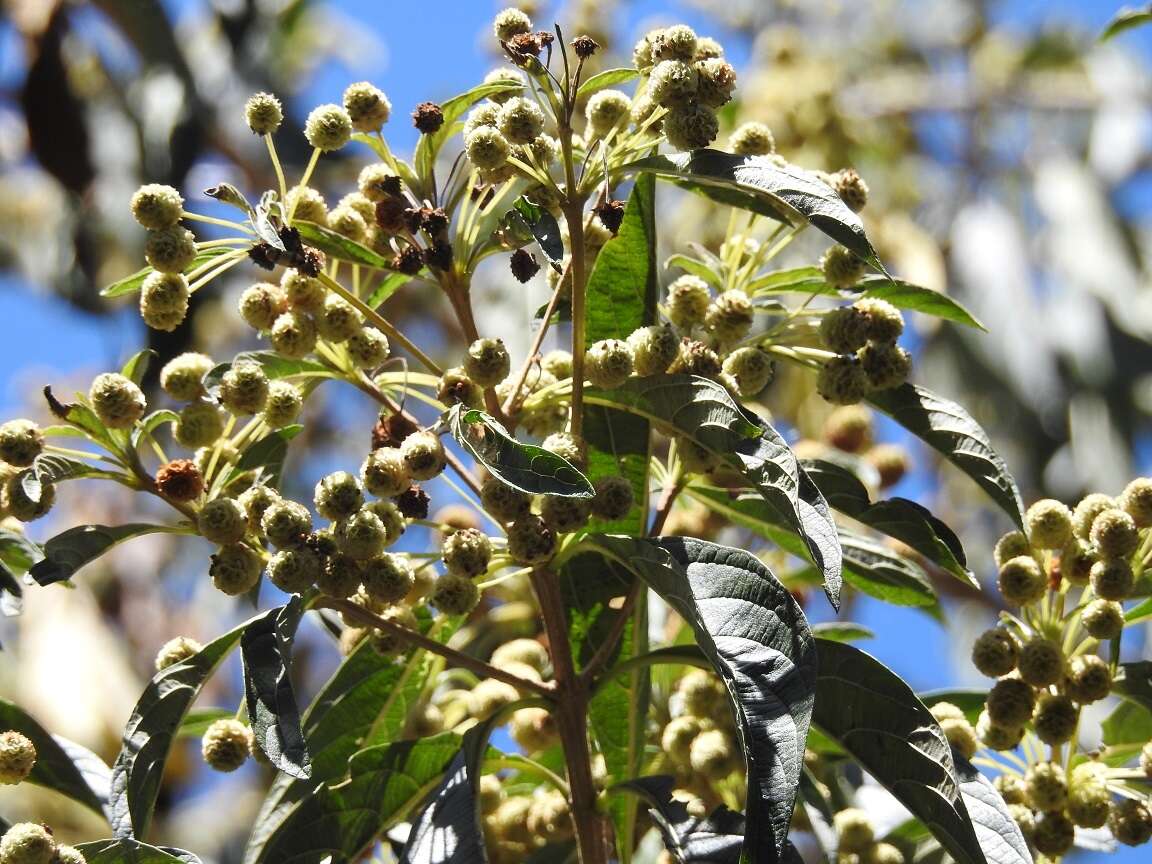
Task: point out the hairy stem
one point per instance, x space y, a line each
574 216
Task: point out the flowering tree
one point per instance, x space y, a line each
667 685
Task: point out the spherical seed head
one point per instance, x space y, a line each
362 535
691 127
367 105
328 128
337 321
534 729
1089 679
1049 524
15 502
1136 501
505 503
606 111
1021 581
729 316
200 424
961 735
1112 580
614 498
175 651
387 579
235 569
608 363
502 75
368 348
17 757
338 495
995 652
520 120
1041 662
348 222
688 300
849 428
557 364
295 570
997 737
286 523
713 754
27 843
703 695
717 82
842 268
1010 703
842 380
384 473
854 829
1046 786
117 401
654 348
222 520
487 362
1010 787
21 441
428 117
526 651
1103 619
182 377
1054 834
510 22
845 329
339 577
851 188
673 84
171 249
454 595
180 480
487 148
885 323
752 139
1131 821
244 388
156 206
293 334
310 205
530 540
1011 545
423 455
1087 510
1114 534
467 553
226 745
261 304
677 42
565 515
302 292
677 737
284 404
263 113
1055 719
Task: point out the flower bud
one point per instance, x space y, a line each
286 523
1114 534
887 365
1136 501
565 515
691 127
423 455
235 569
1112 580
1055 719
200 425
520 120
384 473
1010 787
256 500
467 553
749 370
530 540
608 363
1054 834
117 401
293 335
328 128
688 301
677 42
729 316
703 695
244 388
261 304
1089 679
487 362
1011 545
367 106
454 595
534 729
263 113
295 570
997 737
842 380
338 495
854 830
182 377
1087 510
890 462
717 81
851 188
842 267
1131 821
1010 703
487 148
752 139
28 843
1089 800
607 111
844 329
156 206
614 498
302 292
713 755
309 205
505 503
175 651
849 428
226 745
17 758
170 250
677 737
1076 561
1103 619
1041 662
387 579
222 521
995 652
1021 581
528 652
15 501
1049 524
21 441
284 404
362 535
1046 786
511 22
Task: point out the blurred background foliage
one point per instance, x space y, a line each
1008 151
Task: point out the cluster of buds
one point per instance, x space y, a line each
1046 659
850 429
32 843
21 442
863 337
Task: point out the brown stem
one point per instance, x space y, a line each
664 506
460 298
571 696
455 657
574 216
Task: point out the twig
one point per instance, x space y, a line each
538 342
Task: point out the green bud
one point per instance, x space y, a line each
487 362
117 401
608 363
310 206
674 83
752 139
387 579
338 496
854 830
1131 821
17 757
1089 679
454 595
244 388
1136 501
295 570
21 441
842 380
505 503
385 473
467 553
27 843
520 120
1086 512
156 206
1041 662
328 128
367 106
995 652
286 523
1055 719
263 113
222 520
164 300
171 249
235 569
183 376
1046 786
844 329
362 535
16 502
293 334
1113 580
1054 834
717 81
1103 619
614 498
1011 545
691 127
1021 581
226 745
688 300
530 540
175 651
1049 524
729 317
842 267
1114 534
1010 703
423 455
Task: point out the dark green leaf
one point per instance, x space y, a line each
267 454
428 147
152 422
971 702
1126 19
714 839
951 430
900 518
876 717
128 851
881 573
138 364
226 193
702 410
388 286
197 721
340 247
846 631
61 765
1126 730
266 647
757 639
52 468
80 416
542 226
526 467
1133 681
607 78
278 366
17 555
70 550
917 298
996 831
131 284
804 280
783 192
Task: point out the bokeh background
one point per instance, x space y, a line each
1009 154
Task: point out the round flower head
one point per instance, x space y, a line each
696 358
487 362
340 576
851 188
688 299
487 148
200 424
367 105
844 329
1136 501
388 512
171 249
534 729
729 317
27 843
1010 787
960 734
180 480
467 552
677 42
337 321
302 292
752 139
691 127
1131 821
376 182
17 757
1046 786
717 82
362 535
530 540
1076 560
423 455
156 206
15 501
223 521
673 84
1049 524
505 503
295 570
182 377
255 500
310 205
293 335
565 446
887 365
484 115
885 323
387 579
1103 619
286 523
995 652
348 222
1112 580
1087 510
1010 703
842 380
854 830
849 428
606 111
677 737
997 737
21 441
1114 534
502 75
1011 545
384 473
454 595
614 498
235 569
388 644
283 405
1089 679
520 120
328 128
702 695
558 364
1055 719
653 349
608 363
175 651
713 754
842 268
338 495
511 22
1021 581
117 401
368 348
244 388
1041 662
263 113
261 304
226 745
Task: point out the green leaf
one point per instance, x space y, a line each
152 422
81 417
916 298
607 78
757 639
17 555
1133 681
266 648
951 430
52 468
197 721
842 631
782 192
153 727
226 193
128 851
526 467
386 782
702 410
340 247
971 702
388 286
714 839
137 365
132 284
900 518
881 573
70 550
267 454
805 280
61 765
541 225
1125 732
1126 19
277 366
875 716
429 146
695 268
997 832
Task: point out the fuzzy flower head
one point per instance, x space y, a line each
171 249
487 148
606 111
263 113
367 106
691 127
117 401
21 441
521 120
328 128
164 300
511 22
156 206
752 139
